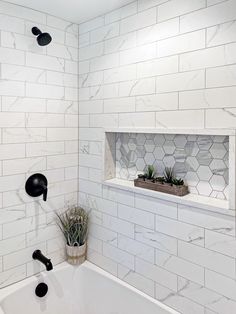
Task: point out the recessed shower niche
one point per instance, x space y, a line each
204 159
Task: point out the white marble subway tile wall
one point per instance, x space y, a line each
165 64
38 133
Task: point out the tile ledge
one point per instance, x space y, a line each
225 132
193 200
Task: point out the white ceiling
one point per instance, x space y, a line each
76 11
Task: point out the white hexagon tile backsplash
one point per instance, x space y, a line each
201 160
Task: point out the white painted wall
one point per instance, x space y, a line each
159 63
38 133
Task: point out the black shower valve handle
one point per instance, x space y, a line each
37 185
45 194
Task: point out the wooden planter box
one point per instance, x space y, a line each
179 190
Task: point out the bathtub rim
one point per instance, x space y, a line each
8 290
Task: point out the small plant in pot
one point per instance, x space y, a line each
74 226
168 183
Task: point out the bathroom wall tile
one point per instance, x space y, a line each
13 182
104 62
158 67
88 53
207 17
23 12
156 239
146 119
138 21
180 81
121 13
119 43
158 31
12 24
62 134
118 255
220 76
162 208
11 56
207 98
180 119
18 258
178 302
49 91
220 243
44 149
180 266
23 104
221 118
157 102
44 120
121 74
146 4
105 32
13 244
182 43
221 284
136 280
221 34
90 25
138 249
153 272
139 54
72 67
206 258
118 225
10 214
205 58
23 165
39 97
22 73
9 150
136 216
215 222
13 275
177 8
179 230
11 88
44 62
138 87
126 104
102 261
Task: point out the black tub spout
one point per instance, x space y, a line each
38 255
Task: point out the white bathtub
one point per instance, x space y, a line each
86 289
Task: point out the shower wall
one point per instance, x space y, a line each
38 133
164 64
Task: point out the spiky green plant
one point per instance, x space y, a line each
169 175
178 181
150 173
161 180
74 225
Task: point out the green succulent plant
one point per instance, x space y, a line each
178 181
161 179
74 225
150 173
169 175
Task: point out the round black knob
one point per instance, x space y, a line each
41 290
36 185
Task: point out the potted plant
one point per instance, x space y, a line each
168 183
74 226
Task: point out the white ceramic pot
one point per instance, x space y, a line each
76 255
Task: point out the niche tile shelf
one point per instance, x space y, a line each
204 158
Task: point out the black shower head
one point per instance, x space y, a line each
43 39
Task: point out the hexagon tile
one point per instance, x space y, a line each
201 160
